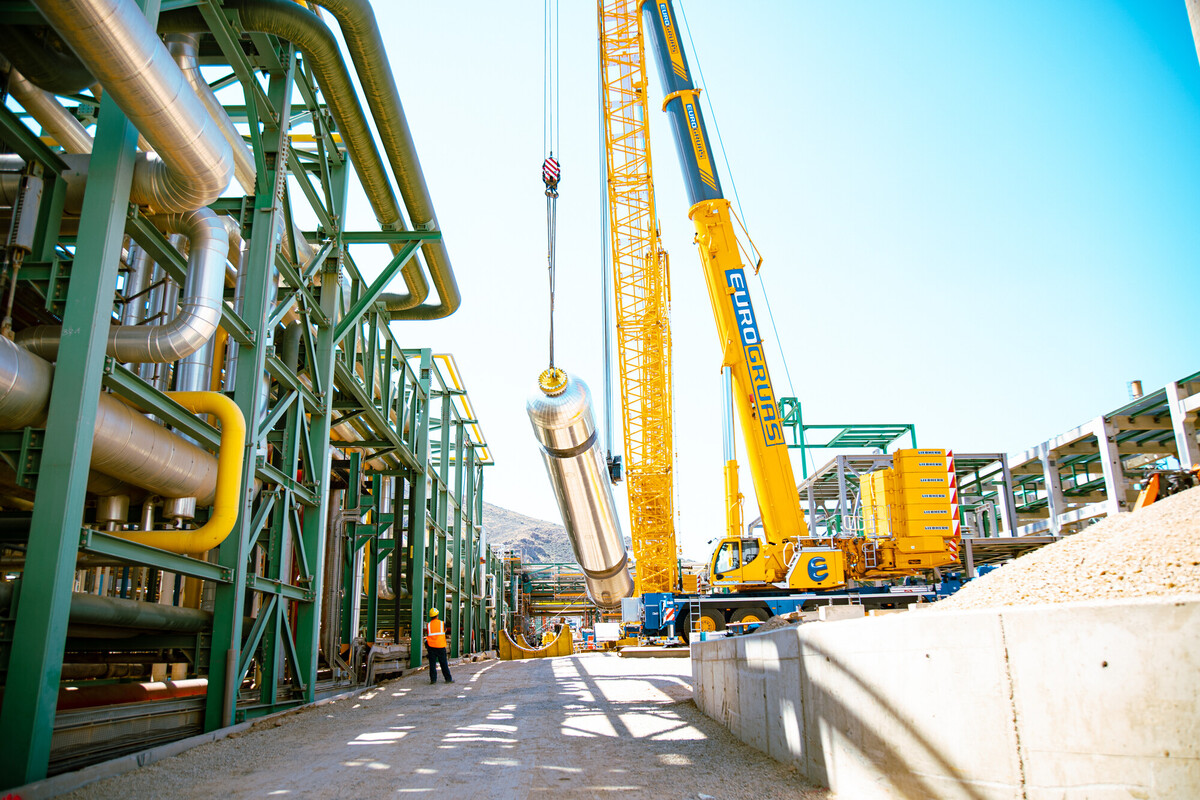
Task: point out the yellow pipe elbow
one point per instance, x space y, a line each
227 499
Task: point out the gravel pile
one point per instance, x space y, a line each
1153 552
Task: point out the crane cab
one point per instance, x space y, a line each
747 563
741 561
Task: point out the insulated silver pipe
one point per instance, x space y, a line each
367 51
125 445
56 121
24 386
199 313
311 36
43 59
195 370
122 50
137 280
184 49
383 587
130 446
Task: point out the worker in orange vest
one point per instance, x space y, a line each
435 645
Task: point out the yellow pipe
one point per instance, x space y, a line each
217 381
229 479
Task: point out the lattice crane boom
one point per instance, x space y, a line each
642 294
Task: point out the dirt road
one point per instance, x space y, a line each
586 726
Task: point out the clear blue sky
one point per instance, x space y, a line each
981 218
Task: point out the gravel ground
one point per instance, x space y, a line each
586 726
1153 552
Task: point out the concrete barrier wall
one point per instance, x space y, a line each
1085 700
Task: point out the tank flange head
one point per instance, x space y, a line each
552 381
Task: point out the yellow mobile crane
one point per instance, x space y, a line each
788 566
787 558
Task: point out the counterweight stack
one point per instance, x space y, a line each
561 414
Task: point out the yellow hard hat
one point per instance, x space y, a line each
433 612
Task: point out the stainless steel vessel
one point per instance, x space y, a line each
561 414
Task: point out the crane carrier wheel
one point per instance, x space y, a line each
749 614
712 621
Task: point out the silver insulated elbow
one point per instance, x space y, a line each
561 414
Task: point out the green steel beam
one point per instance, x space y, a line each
389 237
274 586
99 543
374 290
25 143
39 636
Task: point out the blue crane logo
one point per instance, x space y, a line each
818 569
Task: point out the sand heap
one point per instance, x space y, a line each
1153 552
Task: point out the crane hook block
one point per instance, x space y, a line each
551 172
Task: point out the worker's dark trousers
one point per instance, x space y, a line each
437 655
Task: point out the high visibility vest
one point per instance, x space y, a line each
436 633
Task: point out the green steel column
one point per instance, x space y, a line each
315 534
418 513
456 531
443 589
477 524
350 599
466 460
372 575
40 632
223 680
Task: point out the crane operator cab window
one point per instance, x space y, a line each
749 550
735 554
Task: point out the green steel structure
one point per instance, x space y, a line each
838 437
359 496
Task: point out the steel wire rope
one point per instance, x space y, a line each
738 202
550 139
606 300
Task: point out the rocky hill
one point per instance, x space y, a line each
538 541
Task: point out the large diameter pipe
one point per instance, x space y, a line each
312 37
361 32
122 50
199 313
185 50
125 445
43 60
561 415
90 609
58 123
130 446
72 697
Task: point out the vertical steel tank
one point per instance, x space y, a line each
561 414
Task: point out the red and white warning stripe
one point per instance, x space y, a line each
955 525
670 615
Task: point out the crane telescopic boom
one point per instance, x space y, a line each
737 327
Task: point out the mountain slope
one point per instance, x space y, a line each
536 541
